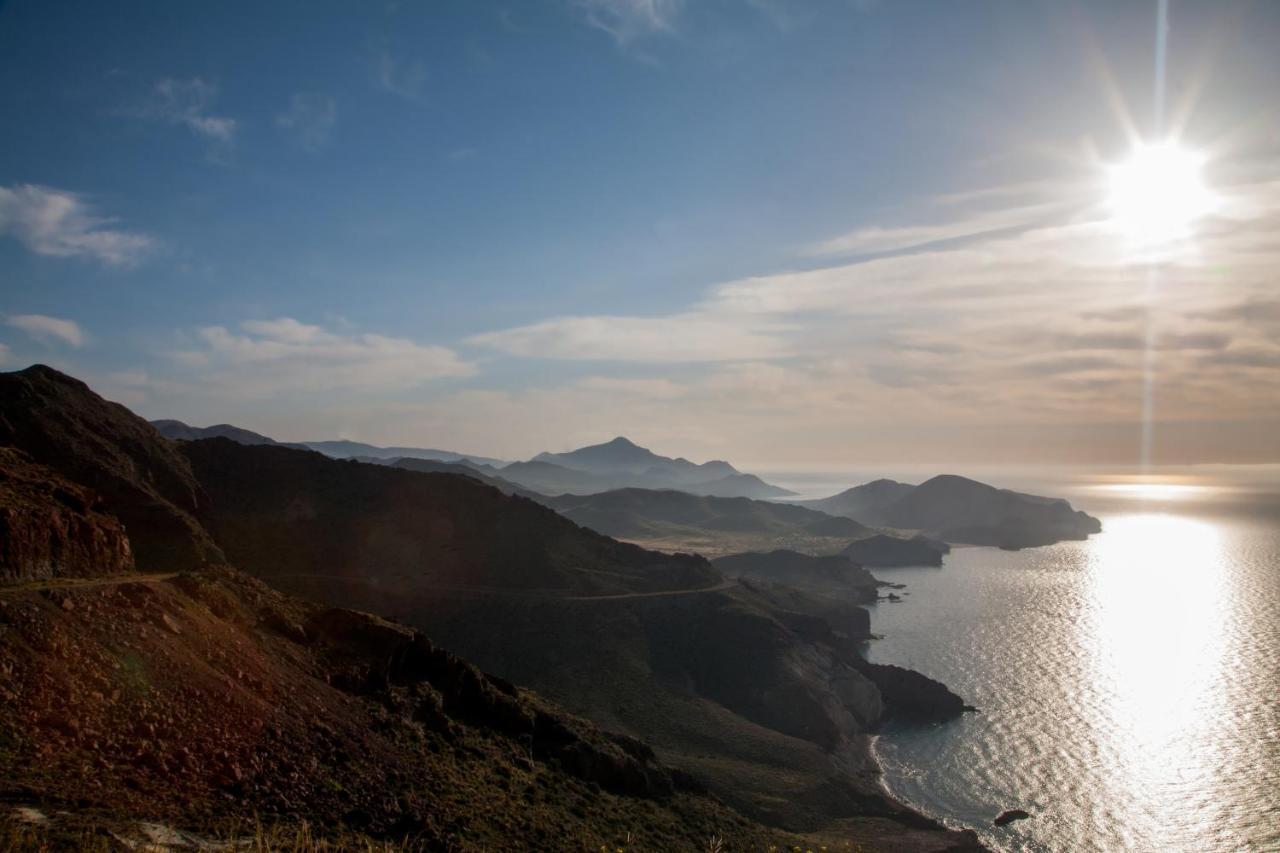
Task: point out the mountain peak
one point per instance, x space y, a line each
623 441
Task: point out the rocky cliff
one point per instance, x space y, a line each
52 528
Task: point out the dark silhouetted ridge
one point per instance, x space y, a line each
140 475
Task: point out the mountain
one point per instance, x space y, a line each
621 463
59 422
238 698
287 514
677 521
197 696
889 551
621 455
771 711
957 509
343 449
179 431
829 574
963 511
433 466
865 502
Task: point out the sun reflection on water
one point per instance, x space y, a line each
1155 624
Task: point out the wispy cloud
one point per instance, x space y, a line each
188 103
311 118
406 78
60 223
1040 323
692 337
285 355
46 329
627 20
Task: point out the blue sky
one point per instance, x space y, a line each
776 230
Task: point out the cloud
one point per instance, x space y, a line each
45 329
284 355
627 20
1031 328
6 355
876 239
310 118
187 103
59 223
401 77
692 337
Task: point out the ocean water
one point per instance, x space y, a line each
1128 687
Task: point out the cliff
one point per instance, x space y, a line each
52 528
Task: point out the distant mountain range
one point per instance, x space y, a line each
338 449
621 464
616 464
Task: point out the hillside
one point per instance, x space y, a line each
203 699
833 574
61 423
206 700
766 703
716 677
957 509
178 431
865 503
962 511
713 526
434 466
343 449
290 514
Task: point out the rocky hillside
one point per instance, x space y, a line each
52 528
207 684
203 699
834 574
292 514
61 423
755 698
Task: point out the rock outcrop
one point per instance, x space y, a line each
52 528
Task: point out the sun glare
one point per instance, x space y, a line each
1158 193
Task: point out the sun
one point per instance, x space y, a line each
1158 193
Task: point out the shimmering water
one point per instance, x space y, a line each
1128 686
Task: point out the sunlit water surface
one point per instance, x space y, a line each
1128 686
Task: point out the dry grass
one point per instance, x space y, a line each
26 837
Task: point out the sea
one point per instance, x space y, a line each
1127 687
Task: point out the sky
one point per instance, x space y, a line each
782 232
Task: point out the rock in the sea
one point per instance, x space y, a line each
1009 816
